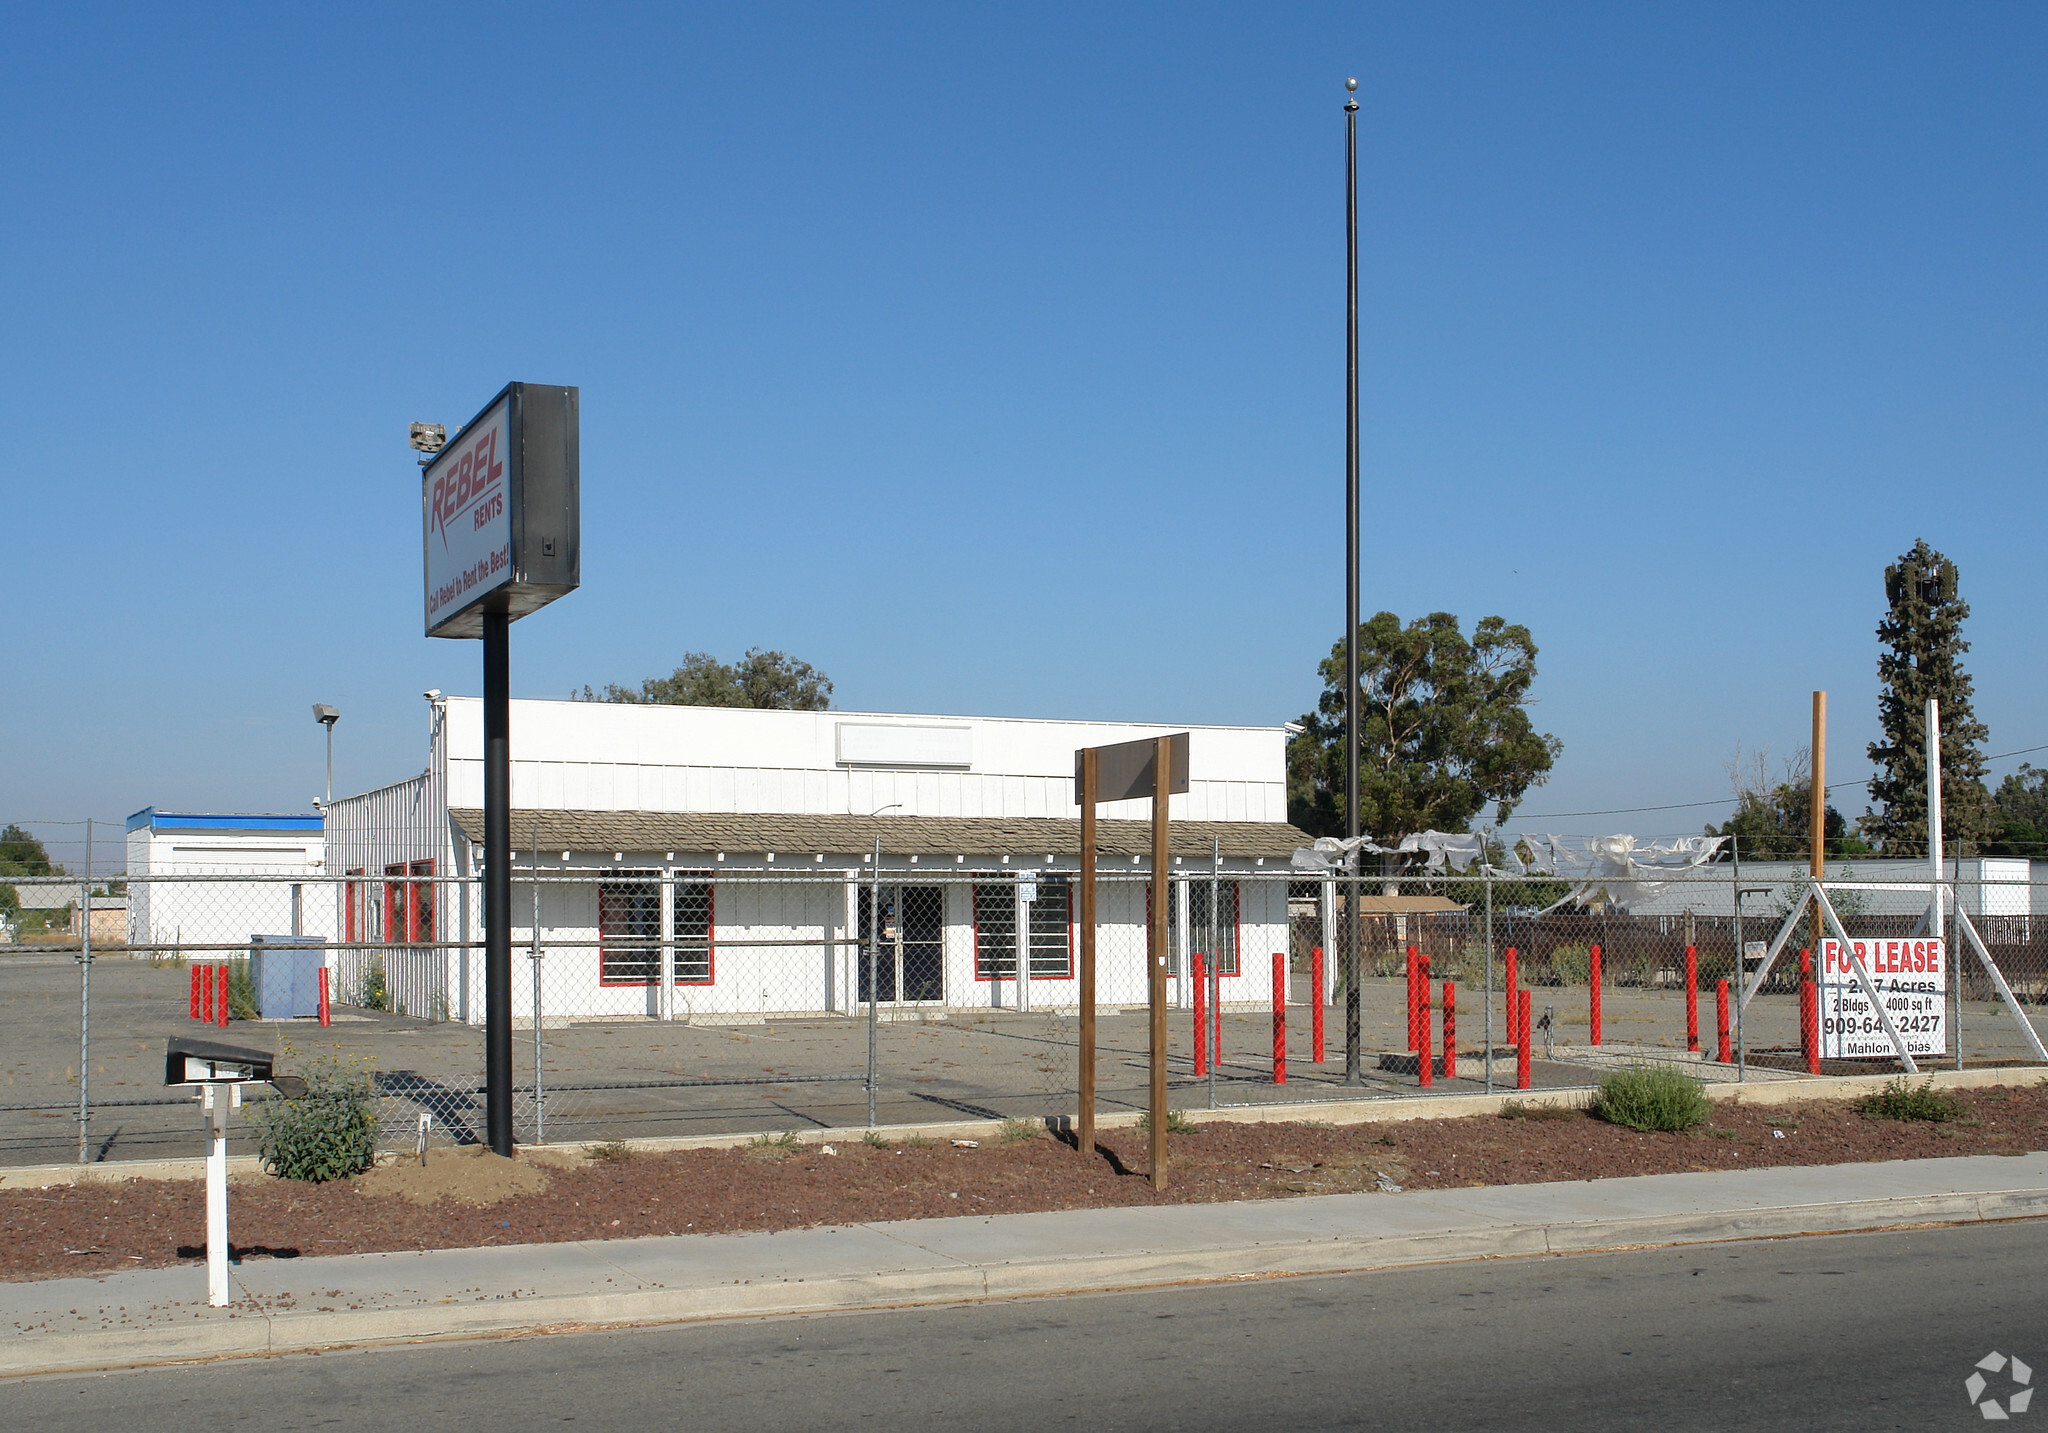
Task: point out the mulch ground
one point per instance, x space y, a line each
94 1229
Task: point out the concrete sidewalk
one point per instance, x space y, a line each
160 1315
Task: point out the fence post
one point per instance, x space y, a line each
1522 1040
1692 998
1279 1018
1450 1029
1721 1017
1414 968
1514 1007
1201 1013
1315 1019
1593 982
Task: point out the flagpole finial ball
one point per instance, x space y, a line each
1351 85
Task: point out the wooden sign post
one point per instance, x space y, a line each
1155 768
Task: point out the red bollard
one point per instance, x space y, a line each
323 995
1692 998
1522 1040
220 996
195 993
1593 972
1315 1020
1721 1020
1423 1006
1201 1016
1450 1029
1809 1014
1514 1012
1279 1018
1425 1056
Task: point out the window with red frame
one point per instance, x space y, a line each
1216 939
408 905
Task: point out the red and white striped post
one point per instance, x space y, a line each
1522 1040
1593 1009
1514 1007
1692 998
1279 1018
1809 1014
1450 1029
1315 1019
1721 1020
1201 1015
323 995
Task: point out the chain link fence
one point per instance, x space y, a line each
694 999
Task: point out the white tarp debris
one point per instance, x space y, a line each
1625 870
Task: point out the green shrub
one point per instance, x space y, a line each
371 992
329 1132
1652 1097
241 991
1571 965
1177 1122
1901 1101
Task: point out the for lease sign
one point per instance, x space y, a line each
469 530
1911 977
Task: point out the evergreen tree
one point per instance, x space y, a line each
1922 635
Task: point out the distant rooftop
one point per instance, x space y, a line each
156 820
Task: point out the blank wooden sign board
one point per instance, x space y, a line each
1128 771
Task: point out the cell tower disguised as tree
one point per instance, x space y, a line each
1924 646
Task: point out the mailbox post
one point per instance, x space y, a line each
219 1072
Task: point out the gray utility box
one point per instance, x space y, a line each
285 969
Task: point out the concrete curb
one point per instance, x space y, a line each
1380 1109
244 1334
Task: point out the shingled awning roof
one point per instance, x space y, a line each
900 835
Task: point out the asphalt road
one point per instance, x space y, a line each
1872 1331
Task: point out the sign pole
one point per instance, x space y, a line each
498 879
1162 784
1353 1039
1085 1133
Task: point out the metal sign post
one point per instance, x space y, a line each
1125 772
501 514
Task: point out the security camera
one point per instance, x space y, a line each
432 694
428 437
1292 728
319 805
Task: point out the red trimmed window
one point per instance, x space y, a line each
629 928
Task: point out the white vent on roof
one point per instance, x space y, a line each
896 744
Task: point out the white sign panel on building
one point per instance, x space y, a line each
1911 977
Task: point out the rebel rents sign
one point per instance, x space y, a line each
499 511
469 528
1911 977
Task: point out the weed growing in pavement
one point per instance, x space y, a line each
1017 1131
371 993
1652 1098
873 1140
1547 1110
1899 1100
774 1146
1177 1122
329 1132
918 1141
1317 1124
612 1151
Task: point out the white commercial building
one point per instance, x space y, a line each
720 864
217 881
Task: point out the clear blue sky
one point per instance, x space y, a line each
991 358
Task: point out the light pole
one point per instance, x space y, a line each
327 716
1352 1041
